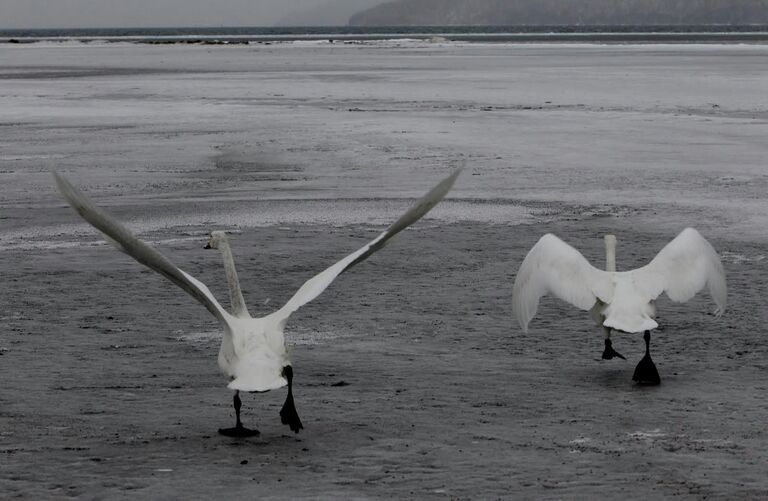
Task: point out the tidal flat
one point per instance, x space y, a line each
412 377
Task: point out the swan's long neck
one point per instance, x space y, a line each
610 253
235 294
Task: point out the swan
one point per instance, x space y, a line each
621 301
252 354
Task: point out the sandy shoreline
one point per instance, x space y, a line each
111 386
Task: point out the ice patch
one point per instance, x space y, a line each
50 238
279 213
579 442
303 337
736 258
200 338
11 158
298 337
651 434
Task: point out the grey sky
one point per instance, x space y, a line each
145 13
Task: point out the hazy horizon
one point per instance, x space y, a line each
52 14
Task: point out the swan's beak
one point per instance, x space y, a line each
208 246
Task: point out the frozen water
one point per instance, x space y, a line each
295 337
578 139
374 213
675 133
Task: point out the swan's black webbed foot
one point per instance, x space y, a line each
288 414
238 430
609 352
645 372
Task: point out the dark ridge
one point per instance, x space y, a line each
559 12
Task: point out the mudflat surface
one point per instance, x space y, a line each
412 378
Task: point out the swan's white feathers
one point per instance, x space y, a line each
619 300
252 351
629 310
317 284
122 238
258 370
682 268
554 267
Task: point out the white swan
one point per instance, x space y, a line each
252 352
622 301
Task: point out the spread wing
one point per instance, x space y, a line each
554 267
122 238
317 284
682 268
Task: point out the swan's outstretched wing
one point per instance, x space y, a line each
317 284
119 236
554 267
682 268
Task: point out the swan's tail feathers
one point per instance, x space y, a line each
630 323
258 370
251 384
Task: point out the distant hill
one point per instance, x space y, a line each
330 13
563 12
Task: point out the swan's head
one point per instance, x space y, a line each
215 238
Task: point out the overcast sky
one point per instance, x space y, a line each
145 13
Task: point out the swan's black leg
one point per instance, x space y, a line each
239 430
288 414
609 352
645 372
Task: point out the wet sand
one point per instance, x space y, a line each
412 378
